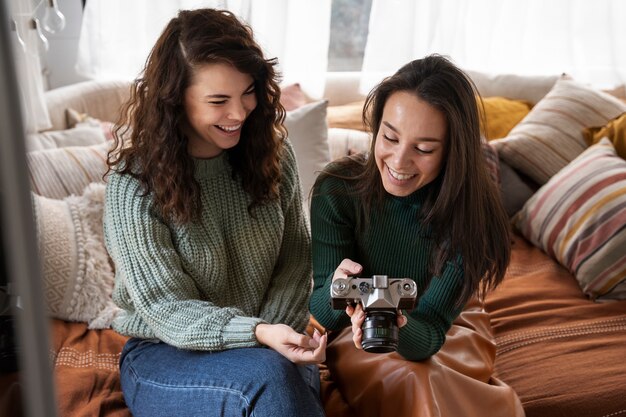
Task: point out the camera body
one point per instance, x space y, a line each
380 297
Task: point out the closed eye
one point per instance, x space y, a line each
423 151
390 139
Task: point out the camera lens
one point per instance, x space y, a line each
380 332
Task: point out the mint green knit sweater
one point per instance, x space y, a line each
206 285
395 244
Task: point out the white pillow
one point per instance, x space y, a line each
308 132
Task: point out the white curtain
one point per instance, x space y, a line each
26 46
117 35
586 39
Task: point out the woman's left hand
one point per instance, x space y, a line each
298 348
357 317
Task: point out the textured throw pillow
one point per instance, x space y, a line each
615 130
579 218
551 135
308 133
58 173
77 273
502 114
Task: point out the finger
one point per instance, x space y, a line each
346 268
357 319
319 354
358 308
307 356
401 319
315 340
300 340
316 335
357 337
349 310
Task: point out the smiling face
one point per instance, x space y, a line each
217 103
410 145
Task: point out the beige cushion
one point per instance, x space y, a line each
99 99
308 133
77 273
58 173
531 88
551 135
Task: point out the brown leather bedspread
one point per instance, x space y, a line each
564 354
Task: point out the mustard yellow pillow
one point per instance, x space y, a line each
346 116
615 130
502 114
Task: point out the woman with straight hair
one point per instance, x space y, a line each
419 205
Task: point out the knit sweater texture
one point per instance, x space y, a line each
207 284
395 244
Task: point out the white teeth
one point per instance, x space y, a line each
398 176
229 128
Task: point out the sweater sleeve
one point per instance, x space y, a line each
288 294
150 270
428 323
334 239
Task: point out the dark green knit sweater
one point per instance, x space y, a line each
395 244
207 284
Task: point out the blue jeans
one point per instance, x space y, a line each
161 380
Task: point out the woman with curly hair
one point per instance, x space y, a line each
204 221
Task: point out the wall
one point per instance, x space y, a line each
59 62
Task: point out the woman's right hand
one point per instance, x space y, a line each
298 348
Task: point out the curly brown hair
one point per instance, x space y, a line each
149 142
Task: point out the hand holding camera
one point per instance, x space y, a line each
379 298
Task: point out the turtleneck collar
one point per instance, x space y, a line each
414 199
205 168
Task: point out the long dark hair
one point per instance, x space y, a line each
149 143
463 205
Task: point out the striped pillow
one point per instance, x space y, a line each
58 173
551 135
579 218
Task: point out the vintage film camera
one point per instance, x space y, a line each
380 297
